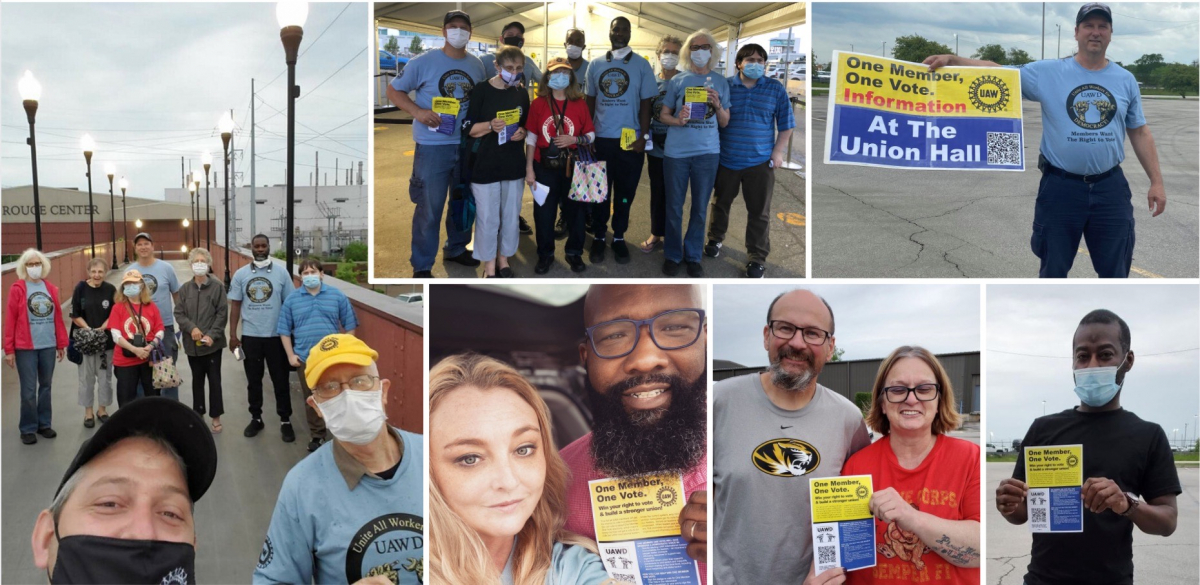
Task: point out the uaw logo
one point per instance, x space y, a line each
667 496
259 289
861 491
786 458
329 344
456 84
1091 106
151 283
989 94
267 555
1072 461
614 83
392 546
40 304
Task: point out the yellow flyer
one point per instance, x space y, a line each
512 121
637 530
695 103
628 137
842 524
1054 475
447 110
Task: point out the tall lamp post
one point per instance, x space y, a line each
124 219
1058 53
31 92
291 16
186 224
206 158
110 170
191 207
89 146
196 220
226 127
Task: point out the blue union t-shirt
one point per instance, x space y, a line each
698 136
41 315
619 89
261 292
162 282
1084 113
436 74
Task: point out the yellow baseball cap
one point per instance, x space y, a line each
338 348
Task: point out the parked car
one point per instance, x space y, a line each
993 449
412 298
823 76
387 61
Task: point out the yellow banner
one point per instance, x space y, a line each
695 95
1057 466
891 85
631 509
836 499
510 117
444 105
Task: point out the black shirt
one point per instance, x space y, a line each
1116 445
93 304
495 162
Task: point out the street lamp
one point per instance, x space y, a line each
955 43
89 146
1059 52
124 219
206 158
138 223
226 127
31 92
884 50
196 234
291 16
110 170
191 204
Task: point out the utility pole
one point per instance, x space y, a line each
1043 30
253 196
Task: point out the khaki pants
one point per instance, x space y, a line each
316 424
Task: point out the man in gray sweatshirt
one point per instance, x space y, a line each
772 432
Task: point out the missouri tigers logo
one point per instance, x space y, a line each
786 458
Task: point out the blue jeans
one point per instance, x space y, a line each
35 369
435 170
1101 213
169 343
701 170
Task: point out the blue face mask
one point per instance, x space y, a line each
1097 386
559 80
754 70
311 280
132 290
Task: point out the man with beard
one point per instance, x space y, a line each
772 432
645 354
256 296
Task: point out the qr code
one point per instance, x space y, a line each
826 555
1003 148
1039 515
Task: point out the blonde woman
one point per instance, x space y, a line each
693 149
135 324
497 485
33 334
201 315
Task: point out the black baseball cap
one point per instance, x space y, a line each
159 417
515 24
453 14
142 235
1093 7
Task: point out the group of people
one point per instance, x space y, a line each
781 424
506 505
125 329
727 134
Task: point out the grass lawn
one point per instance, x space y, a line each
1157 91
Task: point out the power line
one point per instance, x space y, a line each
276 78
339 70
1061 357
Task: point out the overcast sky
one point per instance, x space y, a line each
1138 29
1041 320
149 82
871 319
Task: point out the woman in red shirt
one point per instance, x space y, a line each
558 122
926 500
135 324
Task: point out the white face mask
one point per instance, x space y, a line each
574 52
353 416
669 61
199 268
622 52
262 263
458 37
700 58
34 272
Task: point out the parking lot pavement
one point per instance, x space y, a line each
879 223
1156 559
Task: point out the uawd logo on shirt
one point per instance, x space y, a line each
456 84
388 545
1091 106
786 457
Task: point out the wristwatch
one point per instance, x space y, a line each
1133 503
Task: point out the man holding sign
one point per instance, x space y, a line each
1088 104
447 76
1128 472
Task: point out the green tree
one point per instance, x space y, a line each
416 47
1018 57
863 401
347 273
355 252
837 353
916 48
1145 66
393 45
993 53
1177 78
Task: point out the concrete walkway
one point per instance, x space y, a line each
231 519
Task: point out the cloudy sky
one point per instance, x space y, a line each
871 319
1138 29
150 81
1040 320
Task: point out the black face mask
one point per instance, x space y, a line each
514 41
99 559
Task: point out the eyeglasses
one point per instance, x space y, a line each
924 392
701 47
810 335
675 329
332 388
